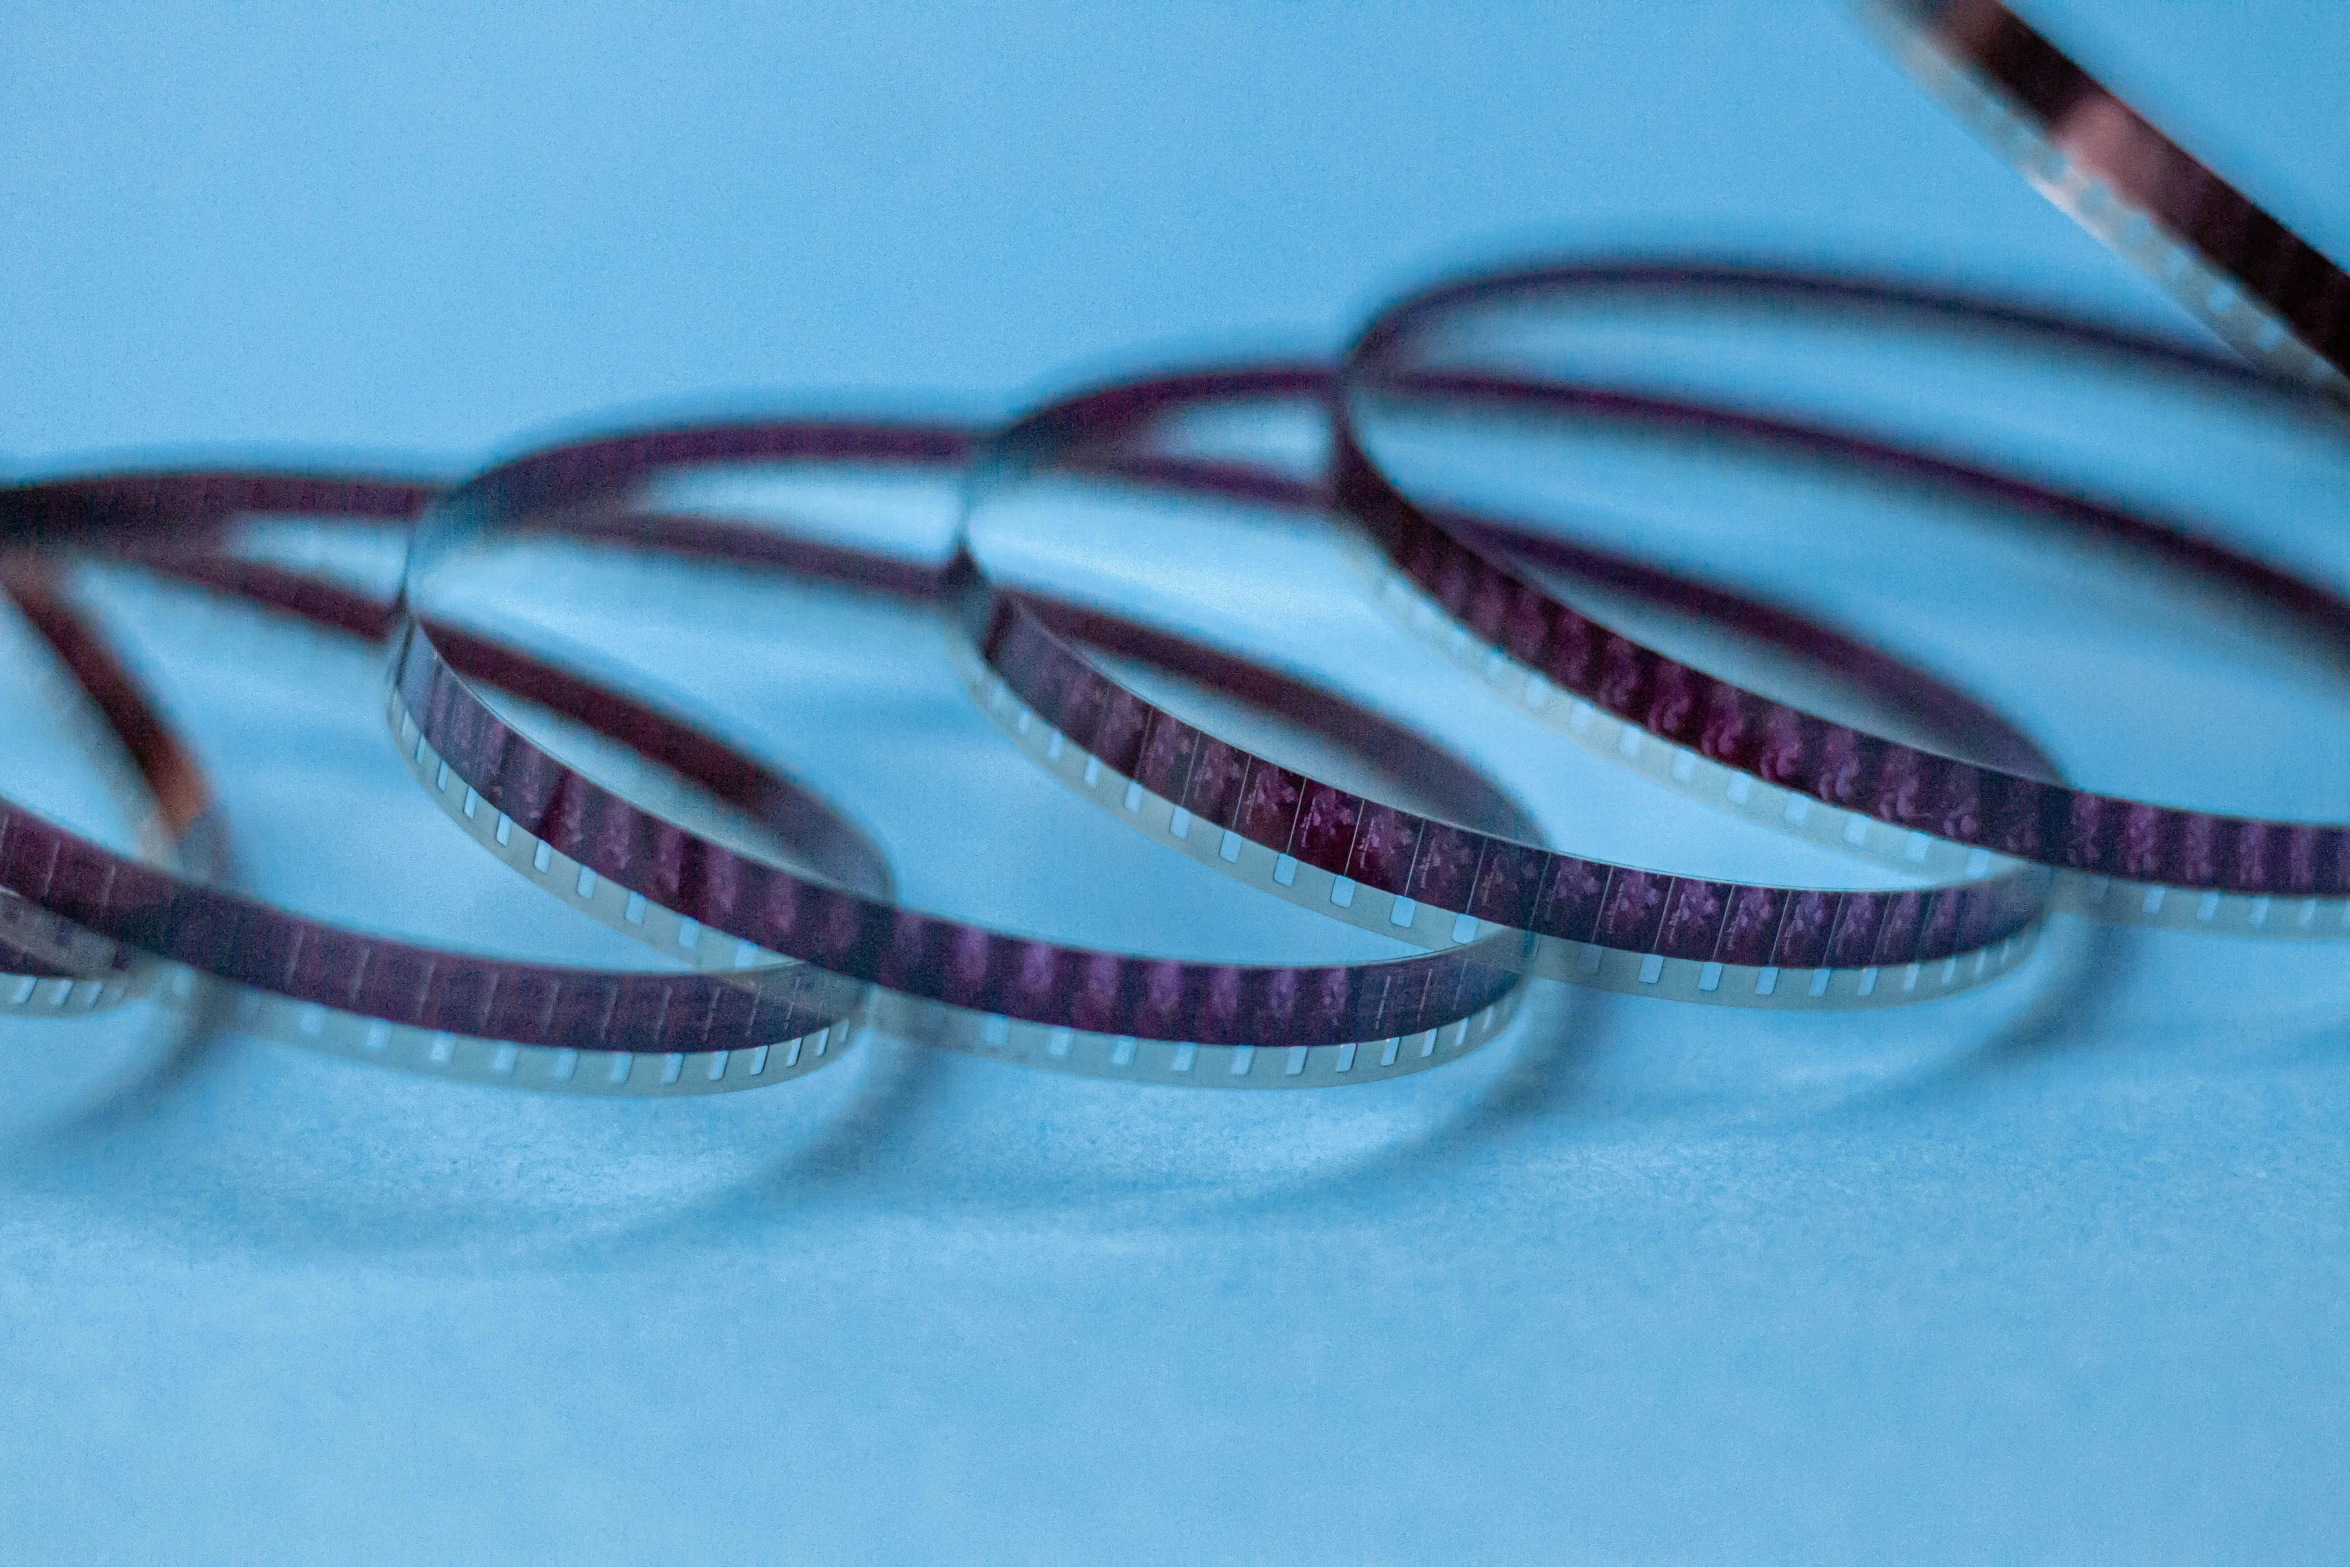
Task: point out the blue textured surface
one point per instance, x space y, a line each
1967 1282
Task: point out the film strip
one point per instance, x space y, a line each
1429 881
2274 297
777 955
54 968
1470 592
438 1011
945 982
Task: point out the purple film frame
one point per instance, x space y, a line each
576 489
173 522
1429 862
171 791
2265 289
2011 810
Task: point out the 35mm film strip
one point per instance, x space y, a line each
1430 881
50 967
2271 294
1473 594
446 1011
993 992
775 960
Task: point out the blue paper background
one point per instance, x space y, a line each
1657 1284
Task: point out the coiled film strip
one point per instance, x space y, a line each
56 969
2118 859
774 959
444 1012
2271 294
1430 881
946 982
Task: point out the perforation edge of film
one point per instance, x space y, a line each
1587 964
2015 134
1851 834
542 1068
1186 1064
443 1053
964 1030
132 975
2111 899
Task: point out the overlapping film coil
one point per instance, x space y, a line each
1548 479
451 1011
953 982
1469 351
1431 881
2268 292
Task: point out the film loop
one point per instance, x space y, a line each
2271 294
442 1011
1472 353
944 981
1434 882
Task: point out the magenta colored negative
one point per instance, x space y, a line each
575 489
1430 862
172 521
1997 806
2126 175
34 941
